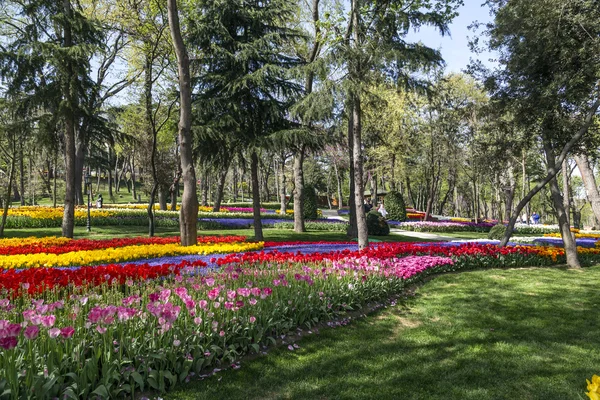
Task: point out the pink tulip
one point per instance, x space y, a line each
53 332
31 332
67 332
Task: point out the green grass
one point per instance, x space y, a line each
496 334
276 235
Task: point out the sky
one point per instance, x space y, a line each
455 48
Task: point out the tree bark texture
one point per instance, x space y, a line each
299 191
559 207
258 232
151 133
188 215
69 78
361 218
589 182
220 188
282 194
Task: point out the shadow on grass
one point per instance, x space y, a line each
498 334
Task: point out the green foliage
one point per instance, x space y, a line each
376 224
497 232
395 206
315 226
310 202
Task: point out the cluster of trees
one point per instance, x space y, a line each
265 95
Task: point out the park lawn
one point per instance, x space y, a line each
494 334
276 235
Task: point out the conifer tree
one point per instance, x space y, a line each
244 85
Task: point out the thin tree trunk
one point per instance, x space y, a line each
282 194
135 198
361 218
589 182
152 133
352 227
21 174
54 194
188 216
299 191
11 175
220 188
69 93
79 164
258 232
566 190
338 179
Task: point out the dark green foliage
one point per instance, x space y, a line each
310 202
377 225
395 206
497 232
315 226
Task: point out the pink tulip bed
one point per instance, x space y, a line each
119 337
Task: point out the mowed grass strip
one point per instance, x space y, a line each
275 235
495 334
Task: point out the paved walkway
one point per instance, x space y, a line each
421 235
332 214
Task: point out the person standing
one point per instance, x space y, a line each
381 210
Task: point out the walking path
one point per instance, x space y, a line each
421 235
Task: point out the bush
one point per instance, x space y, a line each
497 232
376 224
395 206
310 202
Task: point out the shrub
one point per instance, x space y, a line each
497 232
310 202
376 224
395 206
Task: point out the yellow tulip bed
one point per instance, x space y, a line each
120 254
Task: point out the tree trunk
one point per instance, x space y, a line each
69 93
299 191
220 188
152 134
204 188
109 183
133 190
589 182
258 232
361 218
563 223
79 164
566 190
11 175
352 227
282 194
54 194
162 198
338 179
188 215
21 174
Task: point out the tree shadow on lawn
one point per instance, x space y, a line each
500 334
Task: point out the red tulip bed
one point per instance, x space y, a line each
110 331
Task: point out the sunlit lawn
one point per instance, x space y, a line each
496 334
278 235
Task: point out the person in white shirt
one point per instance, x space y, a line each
381 210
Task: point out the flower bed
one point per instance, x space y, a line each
119 254
134 215
116 330
443 226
